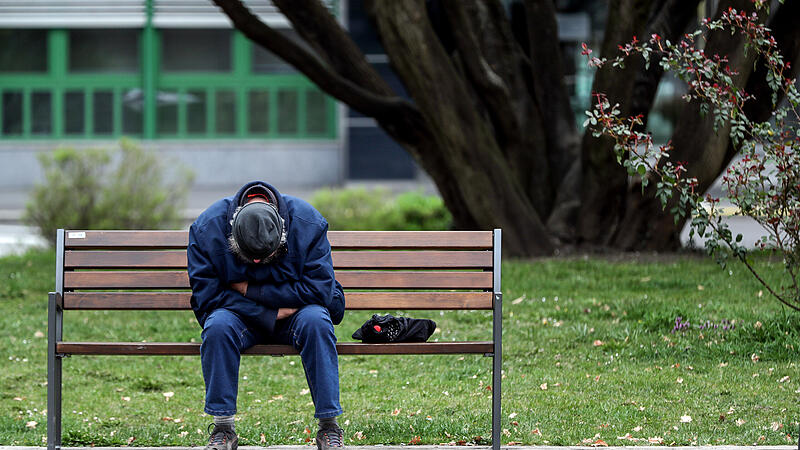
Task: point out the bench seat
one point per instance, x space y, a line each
379 271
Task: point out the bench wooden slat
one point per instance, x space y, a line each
350 280
354 300
343 259
151 239
344 348
478 240
124 259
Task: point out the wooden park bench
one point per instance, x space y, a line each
380 270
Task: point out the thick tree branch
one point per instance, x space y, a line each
604 181
314 22
493 64
546 72
669 21
783 24
312 66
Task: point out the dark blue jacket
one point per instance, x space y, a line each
303 276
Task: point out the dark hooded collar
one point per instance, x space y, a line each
238 197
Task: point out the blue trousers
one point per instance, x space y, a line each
309 330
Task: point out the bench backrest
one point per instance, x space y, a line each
146 270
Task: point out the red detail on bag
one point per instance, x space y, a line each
377 328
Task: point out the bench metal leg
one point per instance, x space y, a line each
497 369
53 375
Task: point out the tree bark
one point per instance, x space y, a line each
704 150
546 72
604 181
475 175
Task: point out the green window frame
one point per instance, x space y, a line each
139 95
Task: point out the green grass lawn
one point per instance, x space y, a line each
589 354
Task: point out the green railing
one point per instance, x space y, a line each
152 104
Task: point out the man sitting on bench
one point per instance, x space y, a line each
260 268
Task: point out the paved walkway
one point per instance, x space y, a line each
437 447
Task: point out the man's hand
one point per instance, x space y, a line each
240 287
285 312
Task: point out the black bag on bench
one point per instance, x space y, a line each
388 328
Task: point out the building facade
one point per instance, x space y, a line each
172 74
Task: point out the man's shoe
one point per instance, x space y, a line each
222 438
330 438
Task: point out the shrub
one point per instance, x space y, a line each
764 184
378 209
98 189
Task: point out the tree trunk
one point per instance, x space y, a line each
490 119
646 225
604 181
463 156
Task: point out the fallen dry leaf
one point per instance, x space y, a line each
754 358
679 380
740 422
415 440
17 399
599 443
637 429
700 287
513 443
686 419
126 399
597 343
38 334
543 386
31 424
536 432
131 439
784 379
512 415
655 440
396 411
517 300
723 364
776 426
358 436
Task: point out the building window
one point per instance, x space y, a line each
12 112
41 109
316 112
185 50
287 111
104 50
167 113
23 51
132 106
196 108
74 112
226 112
258 111
103 112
